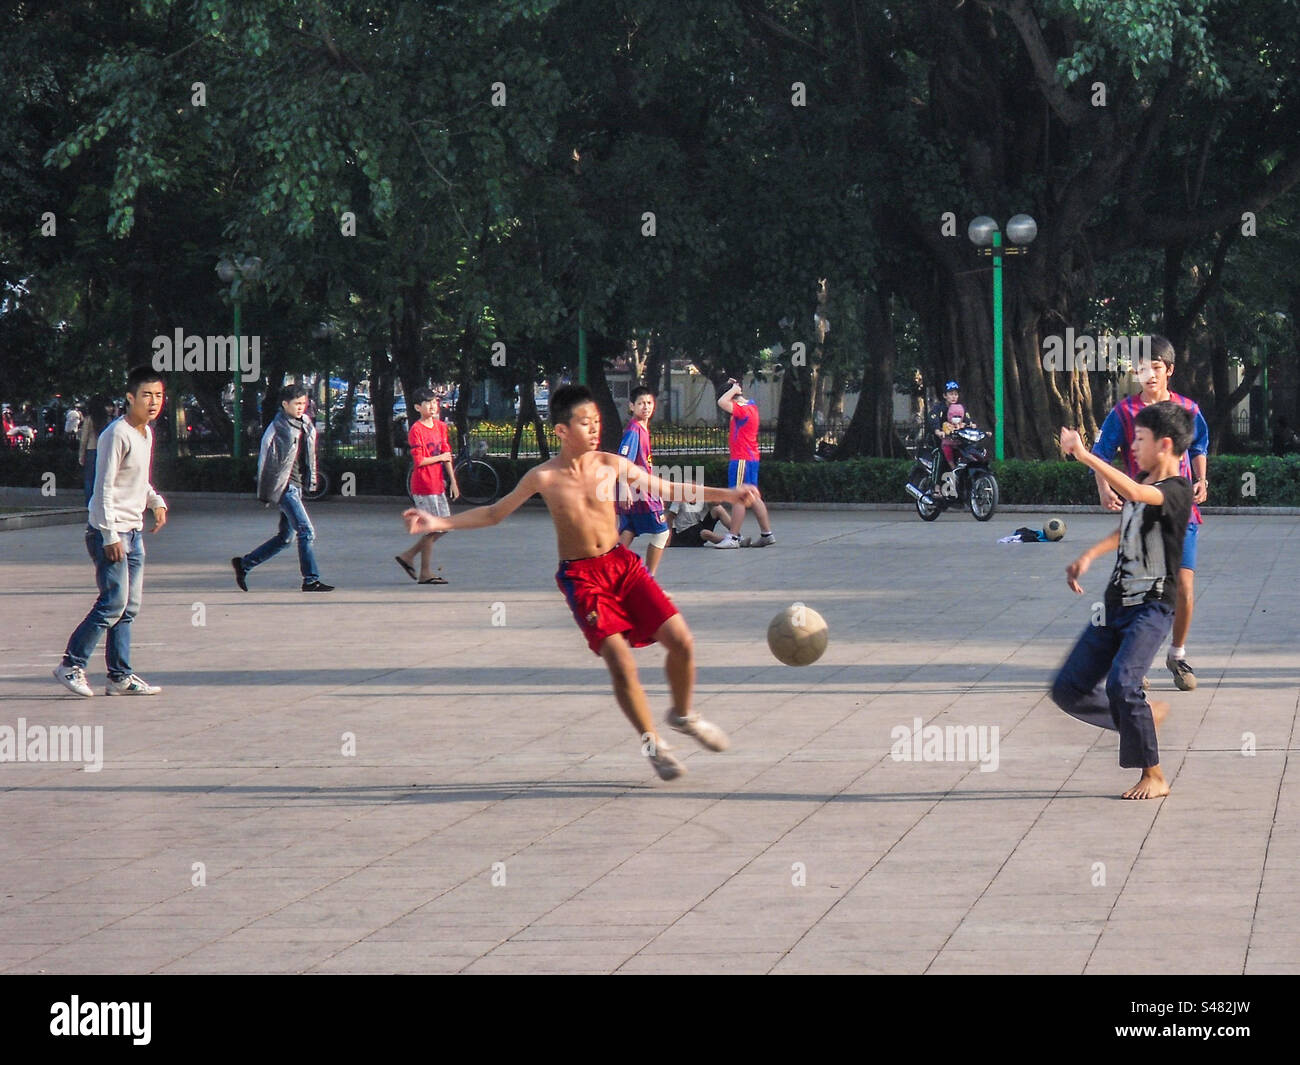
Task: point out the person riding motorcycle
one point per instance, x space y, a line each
943 419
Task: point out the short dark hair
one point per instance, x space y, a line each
291 392
1162 348
1167 420
423 395
143 375
638 392
565 399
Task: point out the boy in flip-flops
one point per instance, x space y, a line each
430 450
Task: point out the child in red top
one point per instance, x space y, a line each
615 602
430 451
743 468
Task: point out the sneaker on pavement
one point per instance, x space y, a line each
130 685
1184 677
317 586
74 679
766 540
668 767
730 543
240 573
707 733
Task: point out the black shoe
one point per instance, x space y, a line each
240 573
316 586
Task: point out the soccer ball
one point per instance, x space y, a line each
1054 529
797 635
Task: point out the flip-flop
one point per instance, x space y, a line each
410 570
435 580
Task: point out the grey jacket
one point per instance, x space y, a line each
275 458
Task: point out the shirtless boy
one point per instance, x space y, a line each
614 600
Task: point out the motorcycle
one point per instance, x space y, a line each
970 481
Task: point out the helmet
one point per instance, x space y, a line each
951 386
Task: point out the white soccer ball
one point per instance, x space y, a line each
797 635
1054 529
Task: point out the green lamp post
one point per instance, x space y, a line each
987 237
234 272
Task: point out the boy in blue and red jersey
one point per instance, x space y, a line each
1117 433
743 468
637 512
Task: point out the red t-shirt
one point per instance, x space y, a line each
744 431
427 441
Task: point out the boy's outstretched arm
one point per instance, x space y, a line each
1072 444
419 521
1079 566
647 483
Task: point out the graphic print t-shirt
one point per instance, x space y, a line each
1151 546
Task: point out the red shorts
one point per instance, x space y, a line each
614 593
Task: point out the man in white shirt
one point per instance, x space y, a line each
115 541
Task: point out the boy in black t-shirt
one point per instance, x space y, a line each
1101 680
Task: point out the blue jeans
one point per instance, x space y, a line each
1101 680
293 521
120 587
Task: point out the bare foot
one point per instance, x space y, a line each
1159 711
1151 785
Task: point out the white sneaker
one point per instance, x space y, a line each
731 543
668 767
73 678
131 685
708 734
766 540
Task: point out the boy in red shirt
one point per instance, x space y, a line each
743 468
430 449
615 602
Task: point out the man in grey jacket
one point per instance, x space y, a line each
286 466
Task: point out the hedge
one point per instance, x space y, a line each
1235 480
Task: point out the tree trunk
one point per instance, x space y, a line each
611 423
381 402
871 431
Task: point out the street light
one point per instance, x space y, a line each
985 235
234 272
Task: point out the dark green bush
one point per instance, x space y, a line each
1272 481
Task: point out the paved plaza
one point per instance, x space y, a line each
396 778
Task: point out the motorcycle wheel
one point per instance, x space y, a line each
983 496
926 485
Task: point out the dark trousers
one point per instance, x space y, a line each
1101 680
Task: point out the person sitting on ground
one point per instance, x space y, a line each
693 523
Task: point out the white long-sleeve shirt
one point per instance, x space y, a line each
122 488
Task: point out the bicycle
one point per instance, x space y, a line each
479 483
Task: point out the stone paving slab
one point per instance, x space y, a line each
383 780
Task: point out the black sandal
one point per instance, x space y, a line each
435 580
410 570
